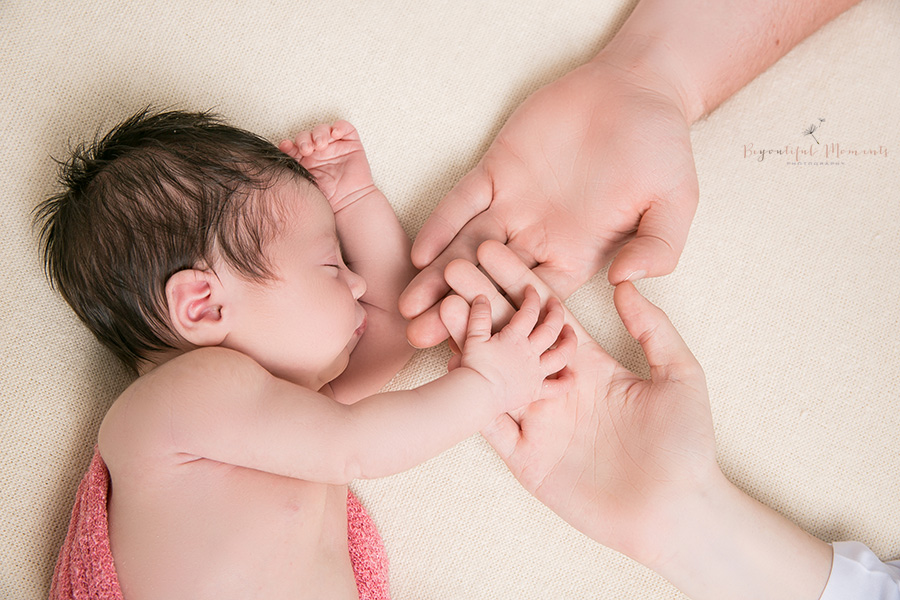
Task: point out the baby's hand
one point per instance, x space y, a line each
335 157
518 359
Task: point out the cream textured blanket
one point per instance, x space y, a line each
788 291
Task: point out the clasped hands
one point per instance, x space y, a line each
595 159
614 455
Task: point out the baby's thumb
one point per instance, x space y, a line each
658 243
479 328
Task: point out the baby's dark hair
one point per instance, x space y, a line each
161 192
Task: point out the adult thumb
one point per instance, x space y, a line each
658 243
468 198
665 350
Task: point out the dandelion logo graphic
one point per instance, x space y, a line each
811 130
827 151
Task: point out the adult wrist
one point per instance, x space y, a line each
718 542
682 517
650 63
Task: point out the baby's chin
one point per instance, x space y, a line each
341 363
337 370
351 346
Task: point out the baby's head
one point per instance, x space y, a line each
160 194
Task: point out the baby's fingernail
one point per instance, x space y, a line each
635 275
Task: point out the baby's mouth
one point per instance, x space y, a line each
362 326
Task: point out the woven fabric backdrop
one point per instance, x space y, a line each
787 291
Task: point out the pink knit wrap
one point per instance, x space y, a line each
85 568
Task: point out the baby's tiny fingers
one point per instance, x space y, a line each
559 385
341 129
303 142
528 314
546 332
289 148
556 358
479 328
321 136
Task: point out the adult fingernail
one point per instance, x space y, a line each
636 275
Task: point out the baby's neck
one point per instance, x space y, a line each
157 359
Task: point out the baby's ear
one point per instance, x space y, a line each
194 298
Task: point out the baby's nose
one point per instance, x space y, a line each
357 284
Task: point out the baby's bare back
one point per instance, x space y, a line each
183 526
203 529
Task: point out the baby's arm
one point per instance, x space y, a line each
220 405
374 246
498 373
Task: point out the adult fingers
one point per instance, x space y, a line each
468 198
427 330
508 271
469 281
667 354
455 316
428 287
454 313
561 280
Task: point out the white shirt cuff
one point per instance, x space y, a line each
857 574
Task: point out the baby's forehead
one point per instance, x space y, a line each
297 207
293 198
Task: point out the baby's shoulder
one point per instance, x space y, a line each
195 375
207 380
209 366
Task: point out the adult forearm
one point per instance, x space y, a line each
720 543
706 50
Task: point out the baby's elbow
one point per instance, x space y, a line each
369 464
350 470
343 465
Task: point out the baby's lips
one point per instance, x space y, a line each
362 326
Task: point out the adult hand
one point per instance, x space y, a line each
631 462
615 454
598 157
